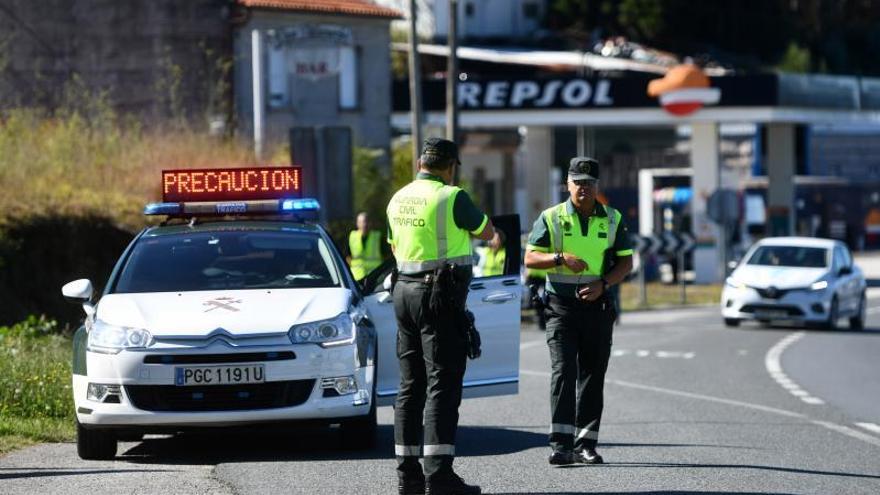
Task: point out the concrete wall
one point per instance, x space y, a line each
135 50
316 103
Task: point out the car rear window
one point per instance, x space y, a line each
228 260
797 256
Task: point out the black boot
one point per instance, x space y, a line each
410 485
589 456
451 486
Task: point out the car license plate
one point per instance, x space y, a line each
219 375
771 313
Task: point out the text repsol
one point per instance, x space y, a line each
552 93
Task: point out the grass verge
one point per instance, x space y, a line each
663 295
36 404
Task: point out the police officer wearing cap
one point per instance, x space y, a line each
576 242
430 225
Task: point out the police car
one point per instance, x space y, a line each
236 310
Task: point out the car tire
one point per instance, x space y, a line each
857 322
95 445
731 322
833 315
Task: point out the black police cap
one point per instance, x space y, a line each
441 148
583 167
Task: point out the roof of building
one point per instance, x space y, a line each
343 7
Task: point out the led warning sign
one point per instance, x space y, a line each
231 184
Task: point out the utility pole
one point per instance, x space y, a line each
257 76
415 88
452 79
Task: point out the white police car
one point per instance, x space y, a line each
212 320
796 279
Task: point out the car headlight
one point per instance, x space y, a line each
327 333
820 285
734 284
110 339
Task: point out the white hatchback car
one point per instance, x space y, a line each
214 322
797 279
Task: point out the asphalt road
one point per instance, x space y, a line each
691 407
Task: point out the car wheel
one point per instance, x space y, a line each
857 322
95 445
731 322
833 315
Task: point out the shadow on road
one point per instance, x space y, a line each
738 466
663 492
314 444
46 472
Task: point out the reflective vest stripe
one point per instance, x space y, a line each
442 234
442 449
612 225
422 266
407 450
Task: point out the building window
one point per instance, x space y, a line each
469 9
348 78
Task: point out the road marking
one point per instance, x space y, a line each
870 427
845 430
773 363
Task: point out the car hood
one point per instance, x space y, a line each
781 277
239 312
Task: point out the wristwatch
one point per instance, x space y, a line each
558 259
605 284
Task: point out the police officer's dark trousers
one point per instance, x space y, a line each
579 338
432 354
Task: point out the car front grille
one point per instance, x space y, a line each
174 398
773 292
238 357
790 310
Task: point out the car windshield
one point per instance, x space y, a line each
797 256
228 260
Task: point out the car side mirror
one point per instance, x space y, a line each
731 265
80 291
845 270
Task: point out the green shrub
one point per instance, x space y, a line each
35 370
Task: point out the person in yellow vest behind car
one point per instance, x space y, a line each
364 248
492 257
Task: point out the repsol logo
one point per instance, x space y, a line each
554 93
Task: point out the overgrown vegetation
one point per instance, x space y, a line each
36 404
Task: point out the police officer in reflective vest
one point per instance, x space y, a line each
364 248
492 257
576 241
430 226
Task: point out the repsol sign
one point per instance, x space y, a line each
551 93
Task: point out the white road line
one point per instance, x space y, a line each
870 427
845 430
773 363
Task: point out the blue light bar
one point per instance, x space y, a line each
162 209
301 204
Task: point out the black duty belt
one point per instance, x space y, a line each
575 302
423 277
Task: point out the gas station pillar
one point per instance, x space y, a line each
705 163
535 163
781 170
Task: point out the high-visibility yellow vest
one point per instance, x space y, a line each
365 257
423 230
492 262
536 273
566 237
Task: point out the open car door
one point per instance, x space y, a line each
495 302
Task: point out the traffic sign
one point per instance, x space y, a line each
666 243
